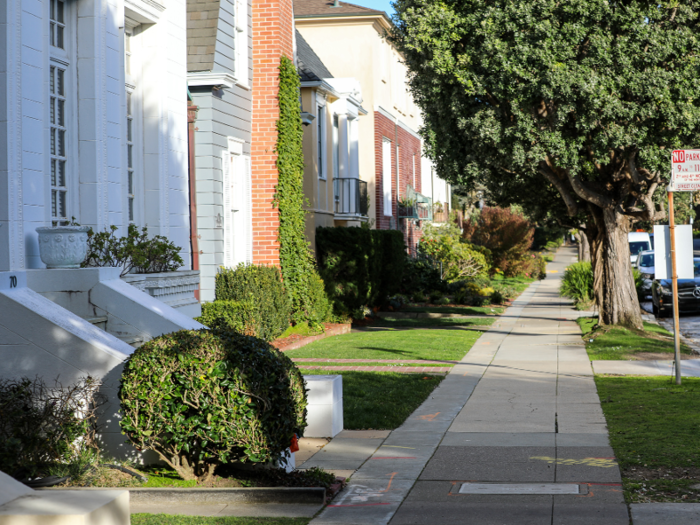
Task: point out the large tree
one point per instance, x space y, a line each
586 97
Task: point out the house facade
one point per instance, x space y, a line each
93 130
219 75
331 114
350 40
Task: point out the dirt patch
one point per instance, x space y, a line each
646 474
295 341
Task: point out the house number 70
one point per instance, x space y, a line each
13 281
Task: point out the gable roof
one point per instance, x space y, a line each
202 24
311 8
311 67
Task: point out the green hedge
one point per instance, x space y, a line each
250 296
360 267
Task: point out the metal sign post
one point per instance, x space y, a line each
674 281
685 176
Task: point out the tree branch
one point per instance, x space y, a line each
569 200
586 193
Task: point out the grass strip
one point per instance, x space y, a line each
461 310
381 400
377 363
168 519
432 345
428 322
653 425
619 343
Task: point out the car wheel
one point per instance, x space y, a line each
663 313
654 310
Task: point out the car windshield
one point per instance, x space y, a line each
696 264
647 260
640 246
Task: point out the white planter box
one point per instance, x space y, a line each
325 408
176 289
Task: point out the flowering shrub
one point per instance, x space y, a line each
459 258
506 234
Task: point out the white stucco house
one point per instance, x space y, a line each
93 126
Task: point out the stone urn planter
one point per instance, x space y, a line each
63 246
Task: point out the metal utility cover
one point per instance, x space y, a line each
520 488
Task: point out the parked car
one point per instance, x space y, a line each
639 242
696 247
645 265
651 238
688 294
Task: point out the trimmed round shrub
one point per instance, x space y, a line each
201 398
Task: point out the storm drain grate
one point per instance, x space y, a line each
520 488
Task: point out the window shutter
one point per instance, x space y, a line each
228 209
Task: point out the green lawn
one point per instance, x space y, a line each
381 400
654 428
461 310
519 284
618 343
449 345
429 322
167 519
377 363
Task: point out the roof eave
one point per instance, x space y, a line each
379 15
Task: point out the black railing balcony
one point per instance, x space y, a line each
351 200
415 206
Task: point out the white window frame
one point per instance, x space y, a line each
386 177
321 140
61 58
133 149
241 42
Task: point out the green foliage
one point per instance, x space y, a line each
44 428
255 302
577 283
638 283
134 252
360 267
232 315
507 236
305 288
422 275
459 258
209 397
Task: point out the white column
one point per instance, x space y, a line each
98 108
343 145
354 149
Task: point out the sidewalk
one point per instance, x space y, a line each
520 408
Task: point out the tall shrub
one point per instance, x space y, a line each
460 259
250 299
506 234
305 288
360 267
577 283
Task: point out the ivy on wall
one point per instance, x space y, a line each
305 287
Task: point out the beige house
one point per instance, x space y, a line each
350 41
332 114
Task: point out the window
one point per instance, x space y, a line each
58 25
321 126
130 191
241 43
386 176
57 139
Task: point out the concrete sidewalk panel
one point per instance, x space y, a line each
665 513
490 439
582 440
477 510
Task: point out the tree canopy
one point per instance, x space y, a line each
585 97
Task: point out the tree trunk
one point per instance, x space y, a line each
613 282
584 249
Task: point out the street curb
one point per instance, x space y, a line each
336 330
258 495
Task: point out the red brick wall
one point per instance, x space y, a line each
409 149
273 37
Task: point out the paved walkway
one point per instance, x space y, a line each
521 407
